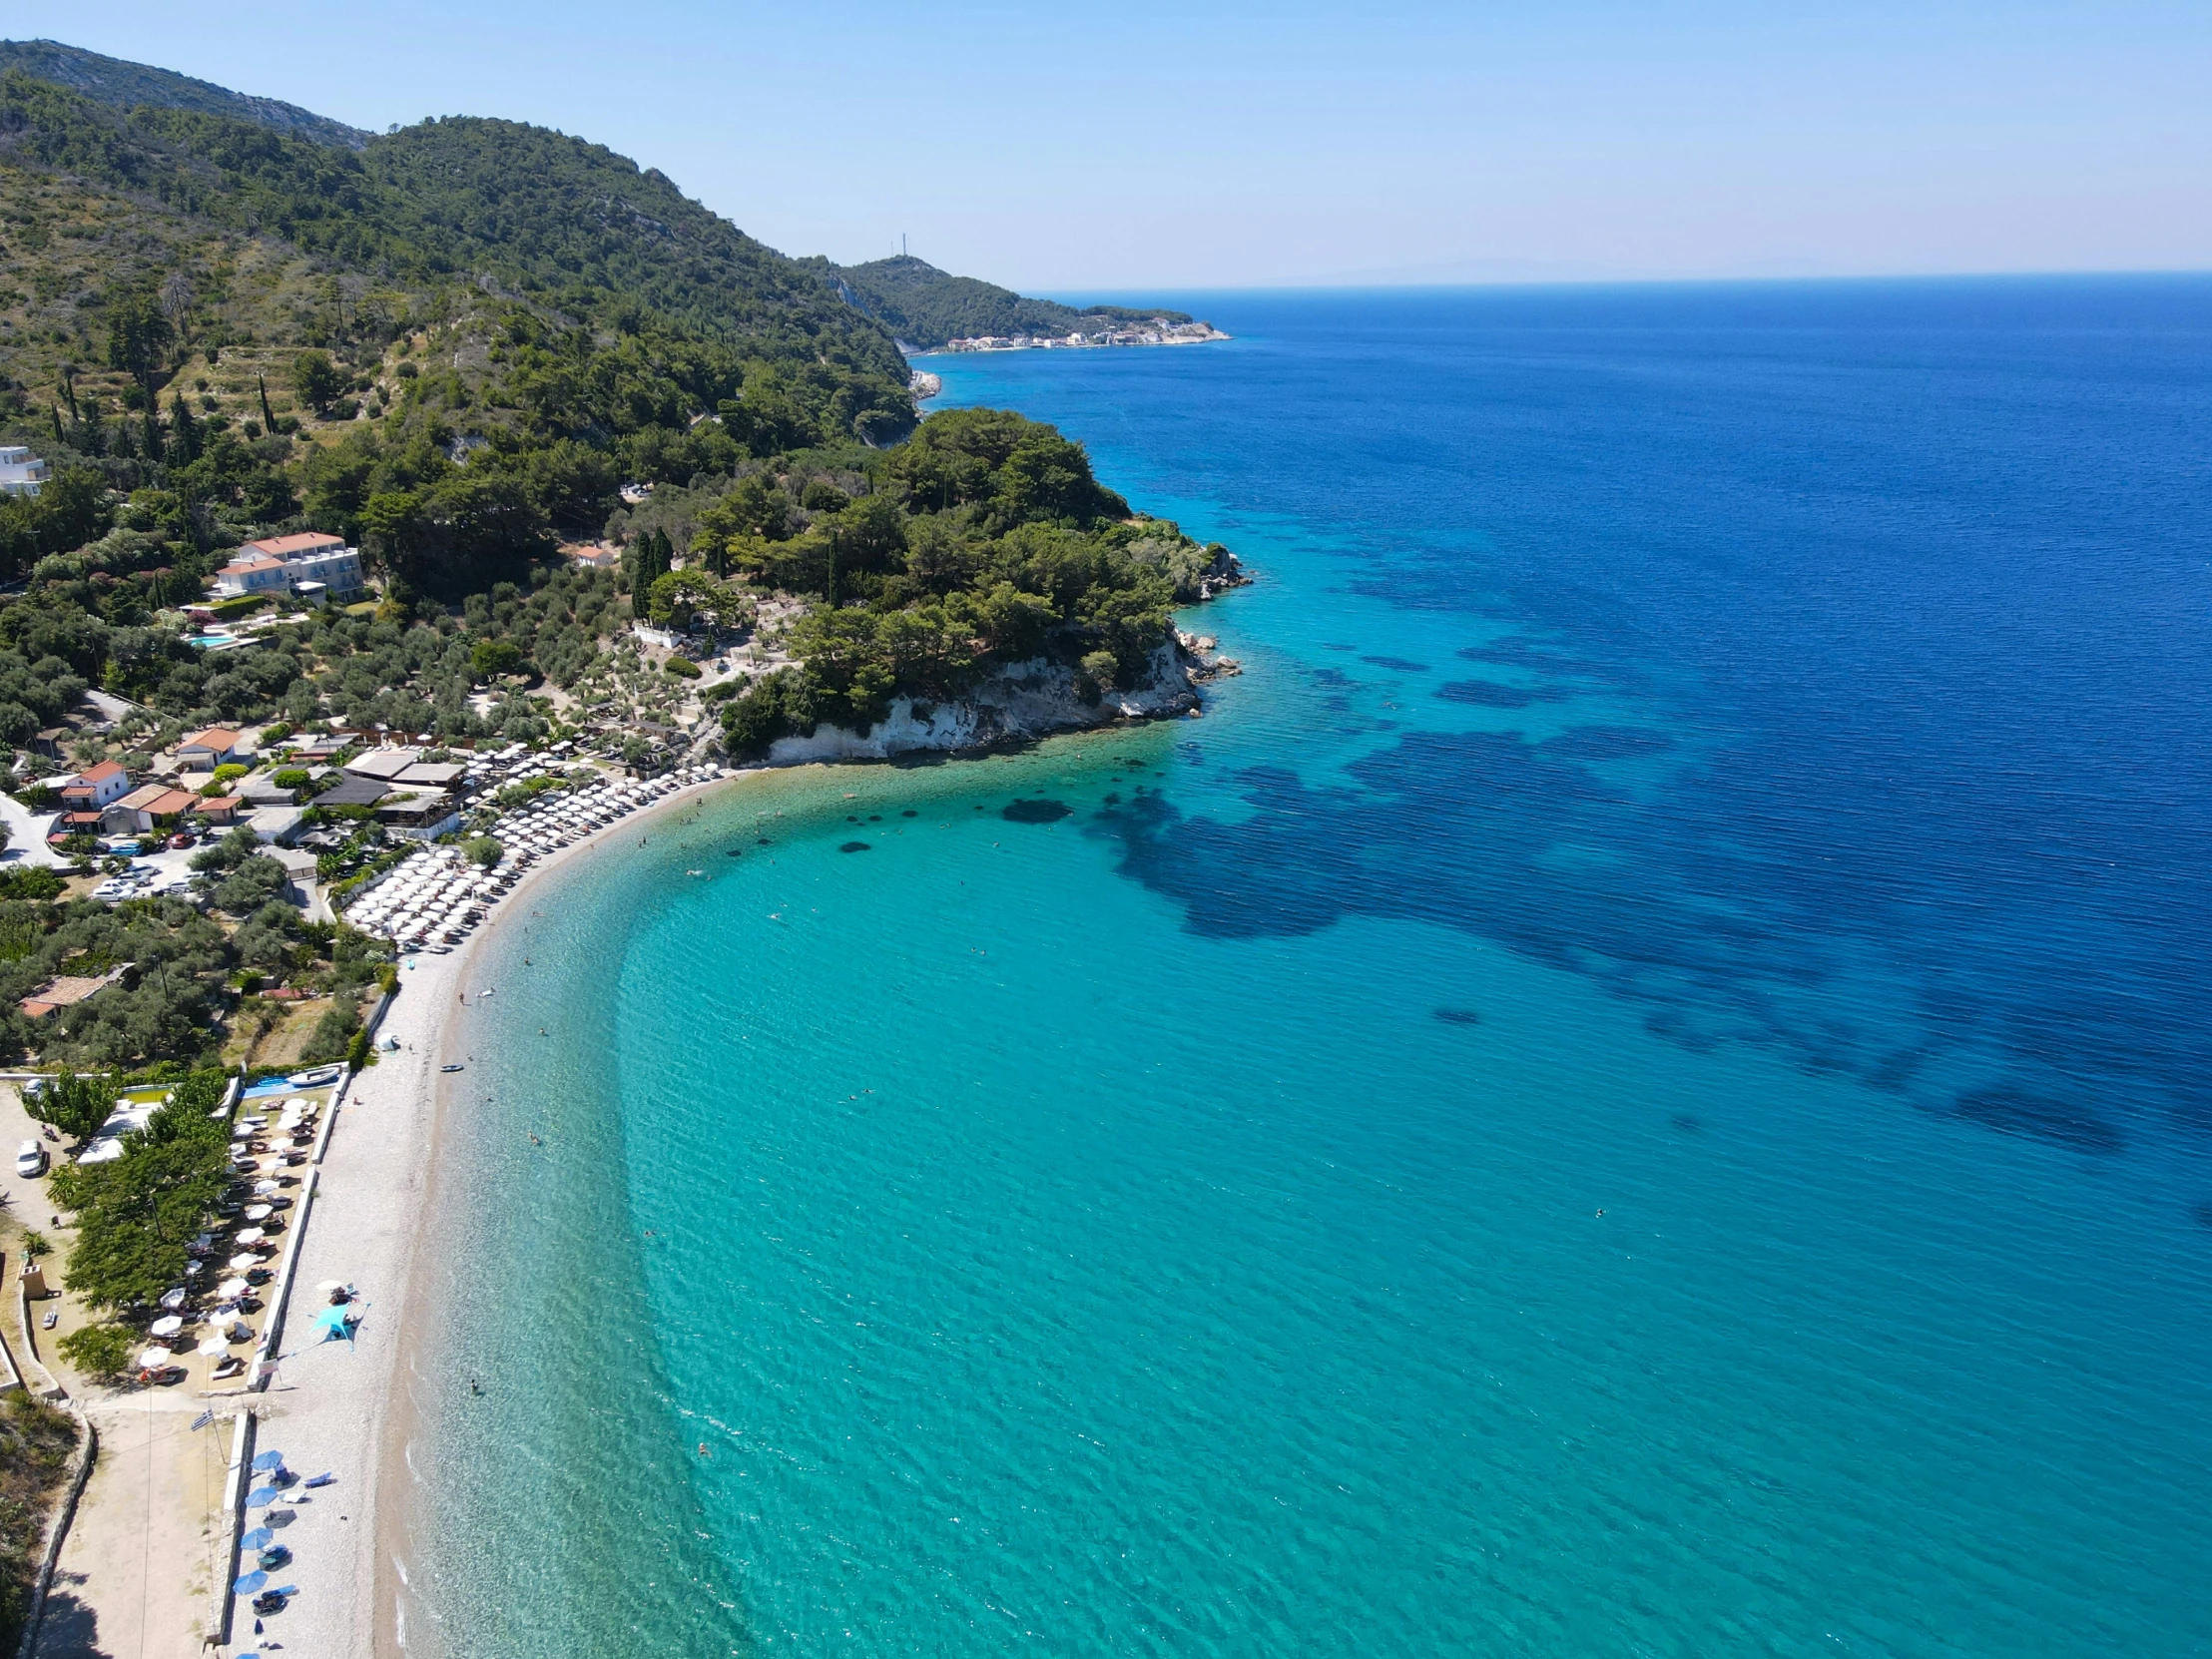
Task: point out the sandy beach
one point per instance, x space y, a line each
341 1407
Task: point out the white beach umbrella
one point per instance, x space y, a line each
257 1212
154 1358
166 1326
246 1236
232 1288
213 1345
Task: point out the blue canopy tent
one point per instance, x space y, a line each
336 1322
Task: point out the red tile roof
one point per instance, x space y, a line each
285 547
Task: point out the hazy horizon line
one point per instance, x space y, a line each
1377 283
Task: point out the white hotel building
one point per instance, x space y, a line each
309 564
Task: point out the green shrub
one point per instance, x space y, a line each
75 1104
768 710
334 1034
102 1352
683 668
31 882
491 657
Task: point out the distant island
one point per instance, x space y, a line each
928 310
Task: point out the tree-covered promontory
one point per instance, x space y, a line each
983 541
925 308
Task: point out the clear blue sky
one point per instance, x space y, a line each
1074 146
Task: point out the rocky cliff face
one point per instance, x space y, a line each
1022 703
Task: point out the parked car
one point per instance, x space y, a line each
180 842
30 1159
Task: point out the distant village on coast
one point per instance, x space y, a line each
1159 331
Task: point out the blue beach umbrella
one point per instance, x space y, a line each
249 1583
269 1460
260 1538
260 1497
332 1323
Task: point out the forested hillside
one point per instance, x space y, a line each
202 306
126 85
456 346
925 307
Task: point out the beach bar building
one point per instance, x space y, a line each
423 817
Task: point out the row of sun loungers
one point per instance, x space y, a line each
434 900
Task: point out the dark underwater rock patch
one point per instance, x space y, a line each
1488 694
1514 653
853 847
1035 812
1398 665
2014 1111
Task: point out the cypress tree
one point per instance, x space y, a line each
183 434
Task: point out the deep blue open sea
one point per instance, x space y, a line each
1641 1083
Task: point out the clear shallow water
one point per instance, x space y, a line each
1638 1084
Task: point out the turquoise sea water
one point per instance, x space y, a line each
1638 1084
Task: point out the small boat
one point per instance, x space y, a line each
449 1068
